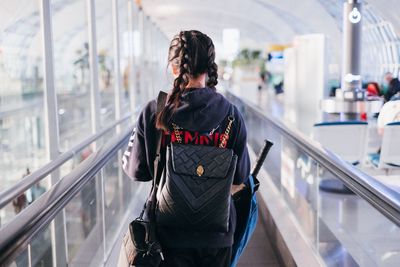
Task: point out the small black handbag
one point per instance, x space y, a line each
194 194
140 244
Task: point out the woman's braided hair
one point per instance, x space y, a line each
194 53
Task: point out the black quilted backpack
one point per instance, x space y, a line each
194 193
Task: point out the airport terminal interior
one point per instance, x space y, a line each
318 78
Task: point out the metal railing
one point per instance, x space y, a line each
383 198
15 236
21 186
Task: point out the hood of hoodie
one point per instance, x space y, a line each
201 109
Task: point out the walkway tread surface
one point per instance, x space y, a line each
259 252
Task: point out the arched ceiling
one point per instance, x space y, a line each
389 10
262 21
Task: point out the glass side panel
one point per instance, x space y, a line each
113 208
84 230
71 70
23 201
352 232
22 145
299 187
343 229
125 50
89 226
22 260
105 51
40 248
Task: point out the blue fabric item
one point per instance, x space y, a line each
374 159
332 123
243 235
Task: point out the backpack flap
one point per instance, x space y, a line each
201 161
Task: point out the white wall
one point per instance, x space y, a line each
305 75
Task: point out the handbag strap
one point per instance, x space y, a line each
161 100
176 133
157 171
231 119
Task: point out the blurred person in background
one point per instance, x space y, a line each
392 86
373 89
20 202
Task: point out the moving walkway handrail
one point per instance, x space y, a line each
15 236
383 198
27 182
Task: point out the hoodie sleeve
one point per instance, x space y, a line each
240 149
141 148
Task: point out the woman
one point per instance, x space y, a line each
201 114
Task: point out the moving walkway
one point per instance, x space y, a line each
80 220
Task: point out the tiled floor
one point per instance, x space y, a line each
259 252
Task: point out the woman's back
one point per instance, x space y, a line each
200 115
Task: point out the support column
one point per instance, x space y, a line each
142 57
352 93
351 61
151 59
117 65
58 238
132 65
95 122
94 72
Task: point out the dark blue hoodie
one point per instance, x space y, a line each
202 114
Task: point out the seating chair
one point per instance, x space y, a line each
347 139
389 158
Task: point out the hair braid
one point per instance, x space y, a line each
184 70
193 54
212 68
180 82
